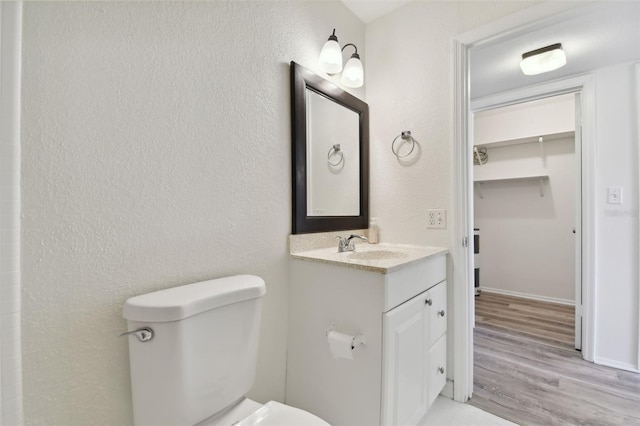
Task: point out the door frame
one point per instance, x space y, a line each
638 135
584 88
11 407
461 251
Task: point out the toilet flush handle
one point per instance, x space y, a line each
143 334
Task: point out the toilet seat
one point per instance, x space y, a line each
276 414
247 412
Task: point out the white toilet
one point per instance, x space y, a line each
195 356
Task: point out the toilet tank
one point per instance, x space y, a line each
203 354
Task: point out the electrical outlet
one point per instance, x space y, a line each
437 219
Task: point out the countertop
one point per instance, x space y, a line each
384 258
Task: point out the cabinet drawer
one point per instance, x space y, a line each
404 284
436 369
437 312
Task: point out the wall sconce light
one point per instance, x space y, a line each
541 60
331 62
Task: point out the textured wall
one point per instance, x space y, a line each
156 152
410 87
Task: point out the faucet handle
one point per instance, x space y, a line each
346 244
343 244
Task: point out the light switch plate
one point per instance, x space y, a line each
614 195
436 219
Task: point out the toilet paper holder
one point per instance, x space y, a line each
356 340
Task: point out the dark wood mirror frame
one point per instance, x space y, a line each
301 80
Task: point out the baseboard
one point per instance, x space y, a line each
615 364
448 389
528 296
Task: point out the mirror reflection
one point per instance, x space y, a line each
333 166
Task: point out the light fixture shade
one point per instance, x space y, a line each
331 56
353 74
546 59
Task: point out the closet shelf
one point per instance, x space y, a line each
531 139
540 176
513 177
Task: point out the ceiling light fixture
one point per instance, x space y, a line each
331 62
545 59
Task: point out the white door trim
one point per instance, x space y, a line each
518 23
10 349
638 136
577 241
463 293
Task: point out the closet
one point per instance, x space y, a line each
526 181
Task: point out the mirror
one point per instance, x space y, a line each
330 145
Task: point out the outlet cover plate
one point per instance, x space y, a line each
436 219
614 195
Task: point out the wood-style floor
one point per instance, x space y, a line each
526 369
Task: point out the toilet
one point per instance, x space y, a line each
193 352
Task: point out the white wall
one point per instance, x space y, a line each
156 152
409 87
617 224
526 243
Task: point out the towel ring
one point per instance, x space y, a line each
335 151
405 136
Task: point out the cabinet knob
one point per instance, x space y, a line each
428 302
441 313
441 370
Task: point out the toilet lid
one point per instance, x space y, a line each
276 414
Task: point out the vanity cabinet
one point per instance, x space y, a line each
414 356
395 376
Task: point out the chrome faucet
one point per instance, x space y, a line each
346 244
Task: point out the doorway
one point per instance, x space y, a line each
527 202
613 80
529 374
462 254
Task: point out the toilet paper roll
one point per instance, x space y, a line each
340 345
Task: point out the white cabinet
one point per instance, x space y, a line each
414 356
397 374
405 359
437 341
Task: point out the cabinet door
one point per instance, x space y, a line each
405 357
436 369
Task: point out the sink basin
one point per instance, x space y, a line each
377 255
384 258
